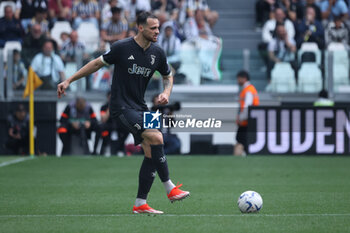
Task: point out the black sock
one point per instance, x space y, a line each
160 162
146 178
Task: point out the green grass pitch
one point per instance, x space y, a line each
96 194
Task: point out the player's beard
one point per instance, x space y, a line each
150 38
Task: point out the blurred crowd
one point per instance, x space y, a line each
287 24
49 34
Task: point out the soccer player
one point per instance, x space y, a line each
136 59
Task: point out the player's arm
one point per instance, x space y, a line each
167 72
86 70
163 98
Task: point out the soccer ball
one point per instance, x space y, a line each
250 202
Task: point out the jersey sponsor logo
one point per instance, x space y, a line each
151 120
145 72
153 59
131 57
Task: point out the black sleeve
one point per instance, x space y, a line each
163 67
112 56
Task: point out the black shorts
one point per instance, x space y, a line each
132 121
241 136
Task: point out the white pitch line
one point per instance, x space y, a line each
174 215
3 164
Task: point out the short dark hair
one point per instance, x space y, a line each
143 16
243 74
48 41
8 6
116 10
279 8
15 51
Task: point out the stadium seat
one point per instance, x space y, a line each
309 78
11 45
5 3
89 35
58 28
340 77
341 58
310 47
334 46
283 78
341 65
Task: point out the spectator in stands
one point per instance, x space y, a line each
333 8
100 50
72 47
60 9
263 11
337 32
190 27
48 66
40 18
131 32
317 9
85 11
196 26
106 13
19 71
281 49
162 9
79 119
203 27
18 131
163 5
10 28
310 29
27 10
32 44
292 8
133 7
116 29
268 32
177 27
65 37
111 133
170 44
210 16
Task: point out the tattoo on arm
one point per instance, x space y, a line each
168 83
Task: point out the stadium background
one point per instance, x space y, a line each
301 193
236 27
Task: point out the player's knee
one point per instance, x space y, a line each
154 138
158 138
